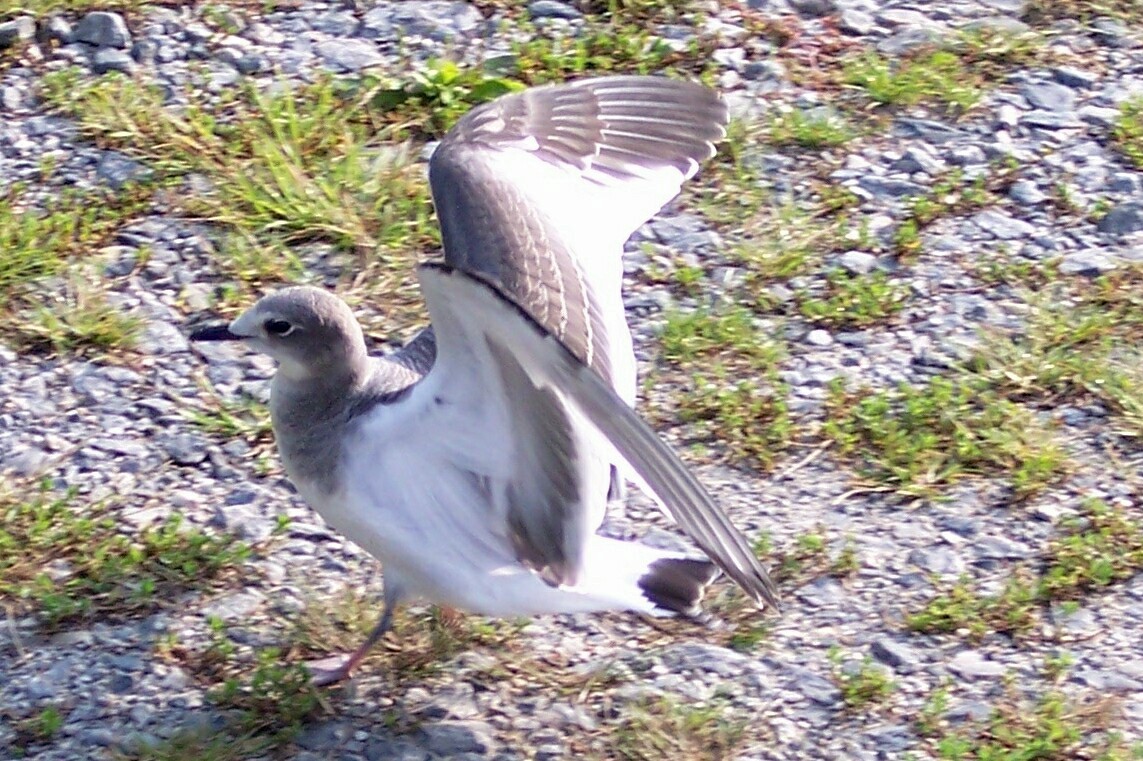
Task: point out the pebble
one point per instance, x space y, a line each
103 29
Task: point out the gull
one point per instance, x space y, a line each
476 462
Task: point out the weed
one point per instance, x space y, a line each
1100 547
66 562
1127 132
853 301
812 130
665 728
247 418
1049 728
862 683
75 317
1045 12
938 76
920 438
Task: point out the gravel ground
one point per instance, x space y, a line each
114 429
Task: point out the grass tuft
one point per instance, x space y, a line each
65 562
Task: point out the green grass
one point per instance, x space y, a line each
1046 12
41 239
951 195
1050 727
920 439
937 77
863 683
299 165
853 301
1127 132
811 130
1080 343
665 727
1100 547
64 561
74 319
730 394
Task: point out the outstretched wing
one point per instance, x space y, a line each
489 347
539 190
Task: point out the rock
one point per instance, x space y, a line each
1027 193
234 607
1050 96
1072 77
394 749
452 738
145 51
18 30
939 560
552 9
1123 219
1050 120
1090 263
856 22
438 20
857 262
888 187
816 687
60 30
927 129
699 656
349 55
813 8
819 337
116 170
971 664
185 448
325 736
110 59
162 338
915 159
103 29
901 658
1002 226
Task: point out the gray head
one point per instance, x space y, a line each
310 332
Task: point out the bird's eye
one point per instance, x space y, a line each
278 327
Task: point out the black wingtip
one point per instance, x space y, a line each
677 585
214 333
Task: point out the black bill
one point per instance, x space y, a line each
214 333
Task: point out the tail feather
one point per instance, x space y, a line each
677 585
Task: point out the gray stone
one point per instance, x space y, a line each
110 59
1104 117
1002 226
1073 77
1027 193
937 560
60 30
436 19
1050 96
816 687
1050 120
1123 219
18 30
116 170
813 8
888 187
145 51
971 664
1129 183
349 55
901 658
857 262
997 25
552 9
336 24
162 338
914 159
451 738
1091 263
966 155
1011 7
927 129
103 29
234 607
326 736
700 656
11 98
819 337
908 39
185 448
394 749
1001 548
856 22
894 17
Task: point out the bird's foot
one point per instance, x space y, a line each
325 672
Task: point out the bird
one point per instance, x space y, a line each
477 461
